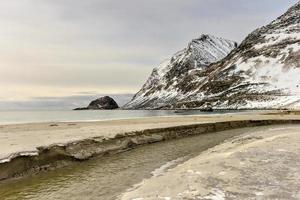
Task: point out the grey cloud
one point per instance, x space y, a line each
110 43
61 103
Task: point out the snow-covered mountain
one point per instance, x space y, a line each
262 73
168 82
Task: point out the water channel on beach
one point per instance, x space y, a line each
107 177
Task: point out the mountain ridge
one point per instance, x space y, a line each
167 82
261 73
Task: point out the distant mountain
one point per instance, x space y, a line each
171 81
262 73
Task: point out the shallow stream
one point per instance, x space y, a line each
104 178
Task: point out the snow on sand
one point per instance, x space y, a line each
256 165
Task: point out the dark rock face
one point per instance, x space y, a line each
103 103
261 73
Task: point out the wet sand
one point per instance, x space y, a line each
105 178
256 165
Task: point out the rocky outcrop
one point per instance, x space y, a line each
103 103
262 73
172 80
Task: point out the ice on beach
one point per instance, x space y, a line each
216 194
163 169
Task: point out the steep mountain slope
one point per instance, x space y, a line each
262 73
168 82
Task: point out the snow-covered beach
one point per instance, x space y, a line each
255 165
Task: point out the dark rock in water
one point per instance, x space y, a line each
207 109
84 108
103 103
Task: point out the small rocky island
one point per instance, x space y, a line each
103 103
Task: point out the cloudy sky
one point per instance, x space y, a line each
58 48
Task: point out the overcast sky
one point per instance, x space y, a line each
53 48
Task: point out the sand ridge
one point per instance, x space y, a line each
26 138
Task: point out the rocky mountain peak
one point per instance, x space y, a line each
208 49
207 38
261 73
168 81
202 38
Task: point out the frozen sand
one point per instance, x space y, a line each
26 138
256 165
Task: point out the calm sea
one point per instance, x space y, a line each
14 117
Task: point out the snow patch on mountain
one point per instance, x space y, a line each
261 73
168 81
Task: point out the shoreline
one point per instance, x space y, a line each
196 113
129 134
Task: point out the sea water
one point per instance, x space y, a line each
16 117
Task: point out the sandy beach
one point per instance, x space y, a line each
150 100
39 146
255 165
26 138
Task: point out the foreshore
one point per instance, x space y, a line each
255 165
30 148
